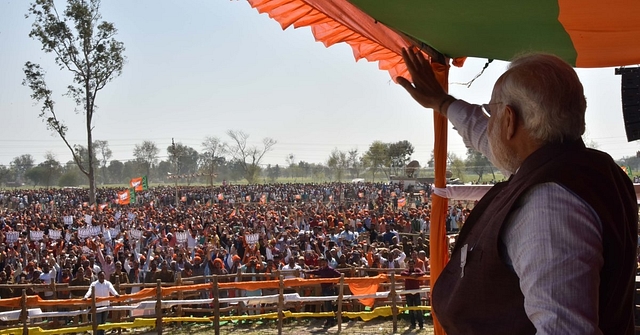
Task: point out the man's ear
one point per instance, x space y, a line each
511 119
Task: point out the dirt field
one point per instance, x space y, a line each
379 326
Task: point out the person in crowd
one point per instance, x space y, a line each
551 250
289 269
5 292
394 260
253 266
413 299
103 289
77 289
328 289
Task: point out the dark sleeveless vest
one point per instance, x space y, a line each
488 300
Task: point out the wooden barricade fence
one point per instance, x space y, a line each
162 293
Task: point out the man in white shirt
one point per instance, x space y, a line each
102 288
396 259
289 267
47 277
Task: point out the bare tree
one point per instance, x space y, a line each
146 154
212 158
355 163
249 156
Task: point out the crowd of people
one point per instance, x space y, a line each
53 235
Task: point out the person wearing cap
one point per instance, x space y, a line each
165 275
328 289
103 288
150 275
118 275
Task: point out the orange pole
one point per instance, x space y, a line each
438 244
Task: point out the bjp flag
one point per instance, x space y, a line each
401 202
127 197
139 184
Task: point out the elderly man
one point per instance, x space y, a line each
551 250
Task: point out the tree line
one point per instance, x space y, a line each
232 161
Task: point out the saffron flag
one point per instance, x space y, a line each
127 197
139 184
401 202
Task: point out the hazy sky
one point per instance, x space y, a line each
199 68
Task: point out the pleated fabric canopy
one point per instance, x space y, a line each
585 33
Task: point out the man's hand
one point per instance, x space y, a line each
425 88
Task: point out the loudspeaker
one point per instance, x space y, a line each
630 101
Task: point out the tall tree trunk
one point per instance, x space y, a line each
91 175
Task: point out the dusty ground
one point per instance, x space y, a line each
379 326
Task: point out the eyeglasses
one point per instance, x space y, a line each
486 108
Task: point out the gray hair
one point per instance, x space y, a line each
547 94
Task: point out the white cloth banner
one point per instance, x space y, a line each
55 234
135 234
114 232
252 238
106 233
68 220
181 237
462 192
84 233
12 236
96 230
36 235
87 219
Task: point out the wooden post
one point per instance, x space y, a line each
116 314
24 316
340 294
94 311
239 279
394 307
280 304
216 305
159 307
180 296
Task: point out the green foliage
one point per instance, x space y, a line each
84 45
478 163
69 179
146 155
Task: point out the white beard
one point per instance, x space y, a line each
503 158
